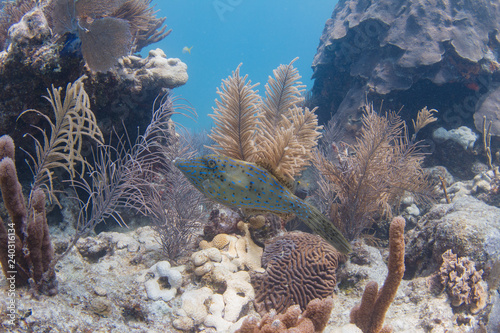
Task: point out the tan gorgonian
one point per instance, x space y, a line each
424 118
277 133
236 118
373 176
73 121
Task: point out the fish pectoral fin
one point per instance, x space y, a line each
206 185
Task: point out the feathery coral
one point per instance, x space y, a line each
283 91
424 118
74 121
372 179
236 118
276 133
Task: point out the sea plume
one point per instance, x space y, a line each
236 117
370 177
73 121
277 132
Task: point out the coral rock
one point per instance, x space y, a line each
238 294
463 135
468 226
249 253
463 283
413 50
193 303
488 107
33 28
154 288
155 70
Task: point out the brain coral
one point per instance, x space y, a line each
299 268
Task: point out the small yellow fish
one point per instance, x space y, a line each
186 49
246 185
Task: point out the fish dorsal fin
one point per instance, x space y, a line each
284 181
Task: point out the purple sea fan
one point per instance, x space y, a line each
104 41
108 29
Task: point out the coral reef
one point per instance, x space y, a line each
299 268
25 248
463 282
313 319
36 59
106 294
370 313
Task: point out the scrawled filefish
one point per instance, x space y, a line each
245 185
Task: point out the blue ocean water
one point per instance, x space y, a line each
223 33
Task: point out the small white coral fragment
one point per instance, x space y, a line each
193 304
239 293
215 317
153 287
249 253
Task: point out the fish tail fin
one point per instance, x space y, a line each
321 225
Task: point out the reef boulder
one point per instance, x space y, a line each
467 226
406 53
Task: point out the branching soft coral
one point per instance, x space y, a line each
372 177
276 132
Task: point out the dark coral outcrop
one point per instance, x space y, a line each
35 57
407 53
299 268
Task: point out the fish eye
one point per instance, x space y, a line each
211 163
